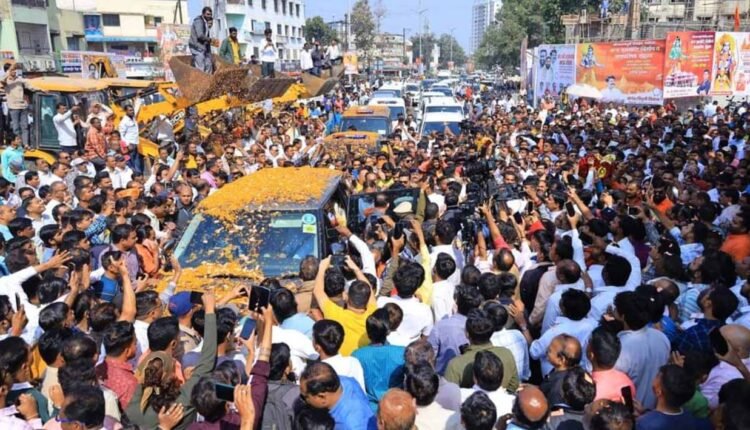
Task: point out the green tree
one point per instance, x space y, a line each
363 28
539 21
446 42
317 29
428 43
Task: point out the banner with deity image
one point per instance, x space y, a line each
688 64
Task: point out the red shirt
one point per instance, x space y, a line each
118 377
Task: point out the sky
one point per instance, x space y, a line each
442 15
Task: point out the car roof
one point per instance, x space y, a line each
443 101
68 85
387 101
442 117
369 110
271 190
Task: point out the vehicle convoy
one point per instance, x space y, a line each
373 118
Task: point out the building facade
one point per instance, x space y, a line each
286 18
483 14
25 34
129 27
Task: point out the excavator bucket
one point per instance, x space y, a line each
237 81
317 86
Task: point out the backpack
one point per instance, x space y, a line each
276 414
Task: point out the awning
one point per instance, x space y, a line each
96 38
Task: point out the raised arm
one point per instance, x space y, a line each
318 290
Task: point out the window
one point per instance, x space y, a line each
294 31
283 7
276 6
278 29
111 20
256 51
151 21
250 3
263 4
286 30
47 110
296 7
302 31
268 25
73 43
158 20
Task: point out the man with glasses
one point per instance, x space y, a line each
59 195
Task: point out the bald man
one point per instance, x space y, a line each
397 410
531 409
738 338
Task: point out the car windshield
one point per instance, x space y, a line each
446 91
412 87
439 127
278 241
384 94
456 109
396 111
375 125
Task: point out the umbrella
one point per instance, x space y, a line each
584 90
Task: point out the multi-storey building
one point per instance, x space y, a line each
25 33
483 14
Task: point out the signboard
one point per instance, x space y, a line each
350 63
88 63
688 63
173 40
629 72
730 73
554 69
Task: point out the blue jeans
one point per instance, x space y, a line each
19 121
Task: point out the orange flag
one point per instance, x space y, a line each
736 18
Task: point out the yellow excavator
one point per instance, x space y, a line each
229 87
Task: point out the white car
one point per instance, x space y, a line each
439 121
398 89
443 105
412 92
395 105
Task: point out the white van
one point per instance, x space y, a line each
439 120
443 105
395 105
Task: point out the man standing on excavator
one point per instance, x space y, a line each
200 41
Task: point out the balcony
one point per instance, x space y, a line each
236 7
30 3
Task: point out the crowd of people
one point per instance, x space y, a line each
601 284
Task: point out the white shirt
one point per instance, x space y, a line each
581 330
66 132
52 204
300 347
417 316
552 310
11 285
129 130
502 399
717 377
347 366
455 277
642 353
141 337
442 299
434 416
305 60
